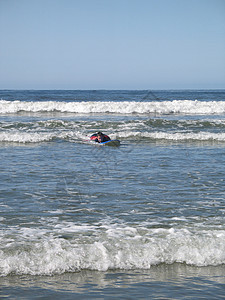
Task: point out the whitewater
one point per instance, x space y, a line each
124 107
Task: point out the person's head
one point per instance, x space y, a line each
100 136
99 133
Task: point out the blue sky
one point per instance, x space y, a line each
112 44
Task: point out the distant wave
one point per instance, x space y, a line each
123 107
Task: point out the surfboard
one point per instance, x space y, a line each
113 143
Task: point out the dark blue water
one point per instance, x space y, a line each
114 95
143 220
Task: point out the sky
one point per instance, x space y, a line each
112 44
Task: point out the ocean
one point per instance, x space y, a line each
145 220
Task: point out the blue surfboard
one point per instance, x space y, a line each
113 143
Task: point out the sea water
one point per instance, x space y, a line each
141 221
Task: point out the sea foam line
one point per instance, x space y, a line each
175 136
37 137
124 107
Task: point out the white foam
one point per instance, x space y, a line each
176 136
123 107
18 136
107 247
25 137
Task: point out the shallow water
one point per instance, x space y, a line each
143 219
162 282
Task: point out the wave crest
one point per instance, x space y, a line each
123 107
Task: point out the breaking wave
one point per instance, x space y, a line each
124 107
37 137
115 248
135 130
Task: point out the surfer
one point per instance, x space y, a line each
100 137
